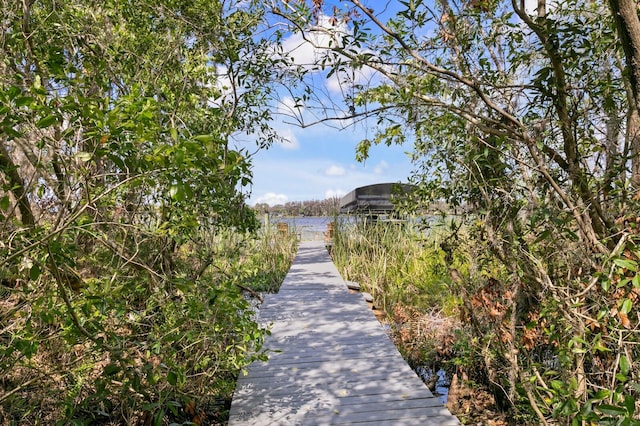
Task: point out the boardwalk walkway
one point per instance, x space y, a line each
335 364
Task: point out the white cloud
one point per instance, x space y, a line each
290 139
272 199
335 171
301 51
330 193
531 6
313 50
309 51
304 178
288 106
381 167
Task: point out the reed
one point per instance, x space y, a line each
258 262
398 262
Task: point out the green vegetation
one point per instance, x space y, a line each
138 352
448 309
124 235
396 263
326 207
528 120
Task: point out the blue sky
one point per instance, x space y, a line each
319 161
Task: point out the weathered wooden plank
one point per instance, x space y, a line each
249 393
294 375
361 352
334 362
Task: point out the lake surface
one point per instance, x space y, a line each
313 228
309 228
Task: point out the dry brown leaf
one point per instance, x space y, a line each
624 320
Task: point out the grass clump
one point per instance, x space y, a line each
398 263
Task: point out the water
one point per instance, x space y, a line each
442 385
314 228
308 228
426 373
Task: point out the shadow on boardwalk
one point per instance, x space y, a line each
332 361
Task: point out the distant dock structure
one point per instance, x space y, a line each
374 200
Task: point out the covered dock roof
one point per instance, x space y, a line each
373 199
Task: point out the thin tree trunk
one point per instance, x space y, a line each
625 15
10 170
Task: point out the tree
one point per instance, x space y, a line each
528 119
117 172
627 23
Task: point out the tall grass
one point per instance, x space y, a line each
256 262
397 263
268 258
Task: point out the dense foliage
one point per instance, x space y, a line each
528 118
121 193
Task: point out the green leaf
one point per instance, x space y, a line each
34 272
602 394
83 156
621 377
600 348
46 121
623 283
625 366
172 378
13 92
611 410
174 134
26 347
158 419
23 100
204 138
626 306
174 406
173 191
631 265
5 203
117 161
636 281
176 192
630 405
110 370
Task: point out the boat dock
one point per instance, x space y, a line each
331 362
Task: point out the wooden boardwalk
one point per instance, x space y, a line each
334 363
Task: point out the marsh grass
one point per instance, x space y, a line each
267 259
398 263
